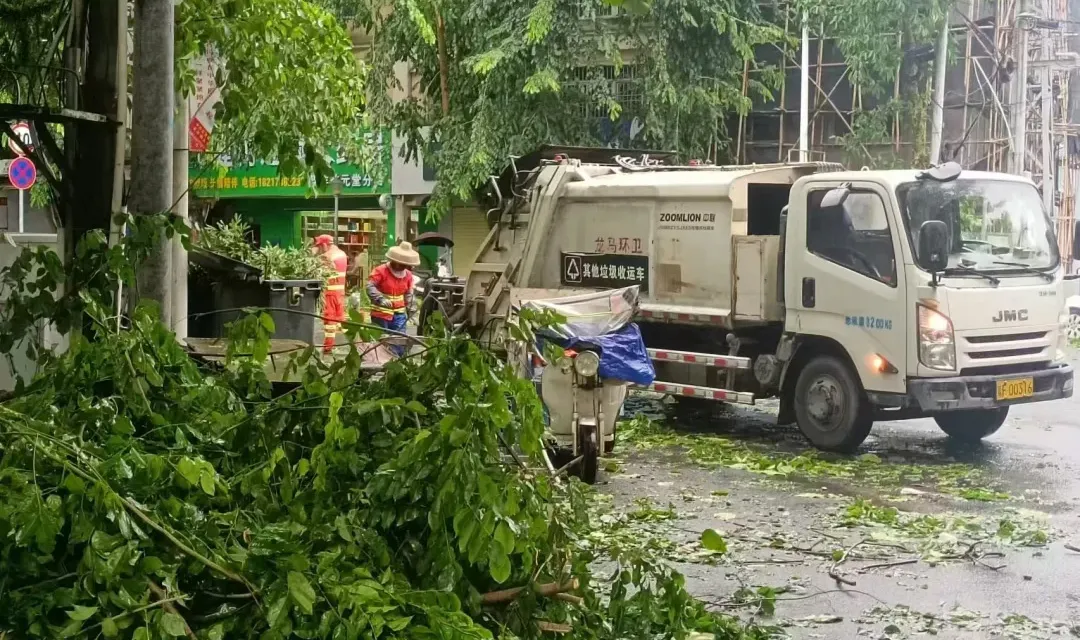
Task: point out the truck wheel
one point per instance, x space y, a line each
830 408
972 426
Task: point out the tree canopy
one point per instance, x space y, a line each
498 78
289 74
289 78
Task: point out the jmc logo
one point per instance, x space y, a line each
1011 315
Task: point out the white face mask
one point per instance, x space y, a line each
398 274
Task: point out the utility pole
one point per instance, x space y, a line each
937 121
179 290
1019 147
153 104
804 92
1047 99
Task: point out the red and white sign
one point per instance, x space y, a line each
201 103
22 131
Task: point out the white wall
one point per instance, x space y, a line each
23 366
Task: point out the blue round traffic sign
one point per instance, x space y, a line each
22 173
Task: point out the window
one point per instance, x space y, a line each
855 235
599 86
593 9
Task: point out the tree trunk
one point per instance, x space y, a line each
444 62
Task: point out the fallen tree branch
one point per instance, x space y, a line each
572 599
1072 548
546 590
839 561
568 466
889 565
553 627
168 606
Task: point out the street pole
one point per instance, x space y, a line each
336 185
1047 122
179 290
121 73
804 93
152 138
937 122
1019 150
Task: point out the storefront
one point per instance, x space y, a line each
285 211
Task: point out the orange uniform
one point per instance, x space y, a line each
334 295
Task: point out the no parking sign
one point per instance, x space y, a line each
22 173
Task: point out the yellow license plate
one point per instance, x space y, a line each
1015 389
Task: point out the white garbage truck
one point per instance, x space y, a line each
852 296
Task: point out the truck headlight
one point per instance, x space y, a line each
587 364
937 344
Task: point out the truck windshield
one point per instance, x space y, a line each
994 225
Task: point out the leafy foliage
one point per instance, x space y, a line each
873 34
498 78
277 263
291 87
144 496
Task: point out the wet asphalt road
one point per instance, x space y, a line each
1035 457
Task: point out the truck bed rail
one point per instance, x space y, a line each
706 393
704 359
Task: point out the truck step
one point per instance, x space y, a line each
704 359
706 393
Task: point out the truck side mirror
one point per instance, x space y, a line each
835 197
934 245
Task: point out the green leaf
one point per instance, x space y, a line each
398 624
489 491
713 541
109 628
173 624
267 323
303 595
544 80
505 537
82 613
499 564
206 481
188 470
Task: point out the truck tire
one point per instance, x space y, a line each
830 406
972 426
590 452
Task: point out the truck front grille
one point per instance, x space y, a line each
1004 353
1014 337
1005 369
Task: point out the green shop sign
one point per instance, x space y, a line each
231 179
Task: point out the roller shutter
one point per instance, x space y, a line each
469 228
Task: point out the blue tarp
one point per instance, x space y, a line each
622 355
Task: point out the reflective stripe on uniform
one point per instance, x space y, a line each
335 287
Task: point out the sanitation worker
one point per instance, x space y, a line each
333 311
390 288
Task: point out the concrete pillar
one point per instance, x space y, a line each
153 104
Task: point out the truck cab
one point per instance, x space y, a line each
852 296
941 289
